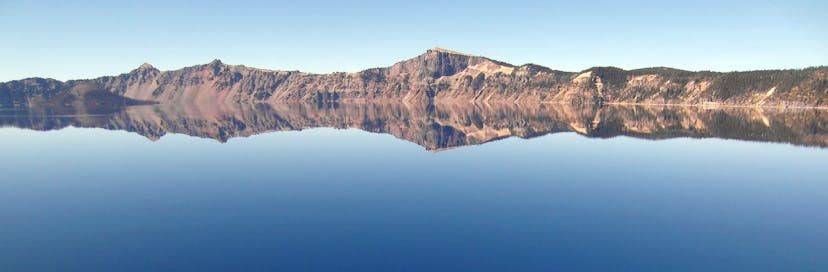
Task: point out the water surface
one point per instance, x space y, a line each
368 187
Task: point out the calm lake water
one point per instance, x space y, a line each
389 189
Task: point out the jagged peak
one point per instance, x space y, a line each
215 65
145 66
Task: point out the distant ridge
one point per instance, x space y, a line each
446 75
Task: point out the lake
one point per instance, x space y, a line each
410 188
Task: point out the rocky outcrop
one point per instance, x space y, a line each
443 75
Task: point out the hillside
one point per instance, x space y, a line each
444 75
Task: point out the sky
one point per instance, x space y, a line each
87 39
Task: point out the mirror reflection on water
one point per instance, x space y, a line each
441 126
290 187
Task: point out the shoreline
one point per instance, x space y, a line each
700 105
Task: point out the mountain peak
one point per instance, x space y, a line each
145 66
216 62
441 50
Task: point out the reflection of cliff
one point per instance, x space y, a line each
441 126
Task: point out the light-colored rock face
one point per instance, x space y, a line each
488 68
445 75
583 78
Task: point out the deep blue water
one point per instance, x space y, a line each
334 200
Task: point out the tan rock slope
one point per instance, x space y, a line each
444 75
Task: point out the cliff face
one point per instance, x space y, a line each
443 75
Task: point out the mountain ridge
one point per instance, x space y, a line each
446 75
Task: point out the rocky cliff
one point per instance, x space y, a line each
443 75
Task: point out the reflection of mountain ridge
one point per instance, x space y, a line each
442 126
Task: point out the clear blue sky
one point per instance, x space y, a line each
85 39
